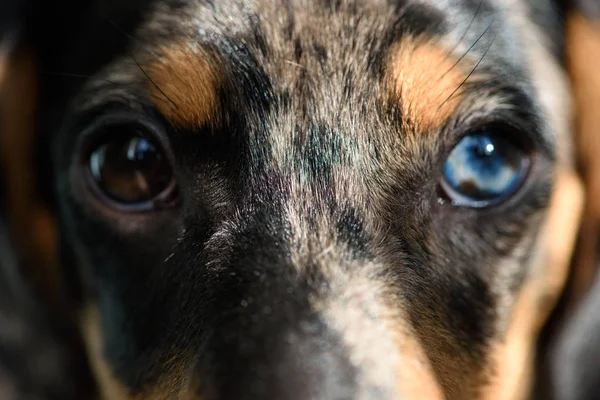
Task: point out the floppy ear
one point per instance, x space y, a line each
59 44
45 49
28 217
568 368
583 62
39 356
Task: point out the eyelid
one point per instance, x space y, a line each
91 134
513 110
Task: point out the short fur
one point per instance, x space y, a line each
310 254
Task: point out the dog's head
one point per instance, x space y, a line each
315 199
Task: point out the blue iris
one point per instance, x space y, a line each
483 168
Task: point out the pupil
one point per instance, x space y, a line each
485 148
139 149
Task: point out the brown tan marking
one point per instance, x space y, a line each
456 374
583 54
171 385
3 65
514 357
184 85
425 78
416 377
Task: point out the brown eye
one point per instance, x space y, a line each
131 170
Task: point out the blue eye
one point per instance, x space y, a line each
484 168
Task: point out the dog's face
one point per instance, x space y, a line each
316 199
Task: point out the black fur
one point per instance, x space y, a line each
206 279
226 282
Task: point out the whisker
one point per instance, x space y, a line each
81 76
466 30
154 83
470 73
295 64
464 34
467 51
169 257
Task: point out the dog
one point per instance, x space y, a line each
309 199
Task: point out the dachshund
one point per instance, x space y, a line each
303 199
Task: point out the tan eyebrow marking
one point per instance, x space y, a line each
184 84
425 78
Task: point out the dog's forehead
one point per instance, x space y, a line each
277 22
319 58
320 52
349 31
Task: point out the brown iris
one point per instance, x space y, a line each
131 169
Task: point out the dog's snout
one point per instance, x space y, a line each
275 351
301 317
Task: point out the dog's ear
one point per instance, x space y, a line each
54 46
568 367
582 57
39 42
24 203
38 356
28 219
